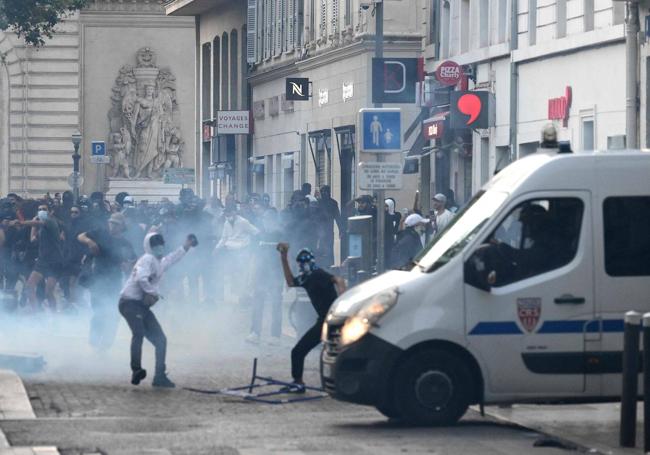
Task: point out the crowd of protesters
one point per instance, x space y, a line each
53 248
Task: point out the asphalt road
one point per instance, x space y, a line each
85 404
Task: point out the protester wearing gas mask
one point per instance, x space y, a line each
322 289
50 262
410 241
139 294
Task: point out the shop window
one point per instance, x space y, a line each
536 237
320 144
627 239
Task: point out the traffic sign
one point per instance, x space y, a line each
380 176
75 180
381 130
98 153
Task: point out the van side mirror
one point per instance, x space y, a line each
476 274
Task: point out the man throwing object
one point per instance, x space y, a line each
322 289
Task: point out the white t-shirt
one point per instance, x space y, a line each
443 219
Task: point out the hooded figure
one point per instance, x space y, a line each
140 293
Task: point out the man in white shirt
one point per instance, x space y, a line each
233 249
442 217
139 294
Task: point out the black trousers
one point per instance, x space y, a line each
309 341
143 324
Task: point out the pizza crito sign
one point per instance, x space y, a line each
449 73
233 122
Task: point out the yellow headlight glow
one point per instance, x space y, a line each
353 329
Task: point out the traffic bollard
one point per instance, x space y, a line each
646 383
629 396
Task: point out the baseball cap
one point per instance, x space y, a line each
440 198
414 219
127 200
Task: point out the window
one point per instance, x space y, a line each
216 76
206 80
588 134
532 22
560 11
503 20
627 236
444 29
225 62
484 26
348 13
588 15
464 25
251 33
536 237
335 17
234 70
280 14
323 18
618 13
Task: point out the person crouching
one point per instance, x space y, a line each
139 294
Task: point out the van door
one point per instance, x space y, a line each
622 272
529 296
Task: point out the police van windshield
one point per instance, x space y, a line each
461 230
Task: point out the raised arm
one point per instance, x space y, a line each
283 248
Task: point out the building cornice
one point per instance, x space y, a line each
331 56
125 6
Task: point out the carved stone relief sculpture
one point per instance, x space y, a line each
144 136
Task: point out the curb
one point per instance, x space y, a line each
15 405
595 449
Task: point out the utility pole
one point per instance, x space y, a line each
379 53
631 72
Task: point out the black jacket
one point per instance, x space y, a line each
407 246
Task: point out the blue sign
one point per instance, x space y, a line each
98 153
381 130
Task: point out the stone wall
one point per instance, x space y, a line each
48 93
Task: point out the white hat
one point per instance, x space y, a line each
414 219
440 198
128 200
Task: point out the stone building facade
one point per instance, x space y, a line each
77 80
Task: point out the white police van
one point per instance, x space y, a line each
520 299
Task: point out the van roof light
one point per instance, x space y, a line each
564 147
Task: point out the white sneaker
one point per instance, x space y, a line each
253 338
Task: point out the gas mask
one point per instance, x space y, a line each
42 215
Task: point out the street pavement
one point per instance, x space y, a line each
84 403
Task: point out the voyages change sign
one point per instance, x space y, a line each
233 122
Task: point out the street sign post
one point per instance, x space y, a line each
381 130
380 176
75 180
178 176
98 153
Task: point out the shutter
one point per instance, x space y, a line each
335 17
323 18
290 26
279 18
251 32
268 28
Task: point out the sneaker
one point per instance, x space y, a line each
138 375
253 338
163 381
296 387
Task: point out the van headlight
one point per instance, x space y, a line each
368 314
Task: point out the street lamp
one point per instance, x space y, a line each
76 141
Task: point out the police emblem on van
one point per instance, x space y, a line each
529 310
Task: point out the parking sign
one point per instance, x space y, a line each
381 130
98 153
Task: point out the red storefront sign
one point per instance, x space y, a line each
449 73
433 129
558 108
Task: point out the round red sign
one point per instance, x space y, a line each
449 73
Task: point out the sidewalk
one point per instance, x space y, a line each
15 405
594 426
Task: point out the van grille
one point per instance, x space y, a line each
333 343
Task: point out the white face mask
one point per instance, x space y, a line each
42 215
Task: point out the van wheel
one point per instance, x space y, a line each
432 388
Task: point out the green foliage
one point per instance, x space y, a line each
34 20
